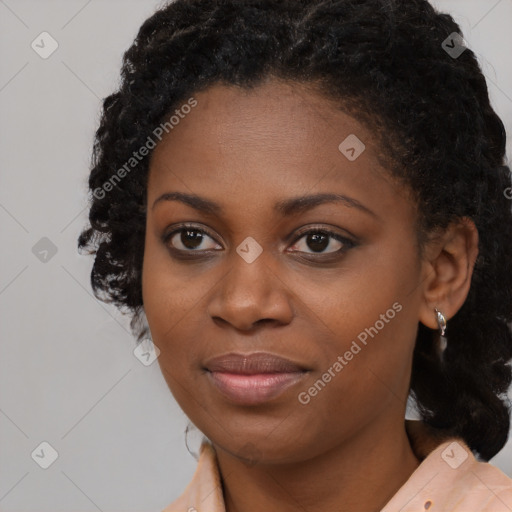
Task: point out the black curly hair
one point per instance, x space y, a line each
383 62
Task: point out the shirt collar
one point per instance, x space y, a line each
433 479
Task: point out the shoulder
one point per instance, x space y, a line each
451 479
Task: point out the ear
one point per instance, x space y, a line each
448 264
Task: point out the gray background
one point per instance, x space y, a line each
68 375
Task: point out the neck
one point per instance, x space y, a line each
362 473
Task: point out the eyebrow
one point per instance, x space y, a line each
199 203
304 203
286 207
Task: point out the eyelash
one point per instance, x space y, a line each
182 254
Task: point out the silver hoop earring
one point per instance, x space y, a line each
441 340
190 426
199 439
441 321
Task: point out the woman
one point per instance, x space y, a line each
306 200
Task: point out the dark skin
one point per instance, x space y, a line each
347 449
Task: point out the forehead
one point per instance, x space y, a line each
274 140
285 118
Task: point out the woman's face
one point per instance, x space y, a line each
334 286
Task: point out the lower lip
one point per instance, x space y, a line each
253 389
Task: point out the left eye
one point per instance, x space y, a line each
318 241
190 239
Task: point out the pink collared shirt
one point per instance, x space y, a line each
448 479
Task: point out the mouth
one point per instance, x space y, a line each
252 379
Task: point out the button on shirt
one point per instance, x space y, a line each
448 479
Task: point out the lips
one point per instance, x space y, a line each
252 379
251 364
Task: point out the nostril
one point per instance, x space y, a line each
264 321
218 320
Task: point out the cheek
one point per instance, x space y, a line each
353 298
166 301
175 300
364 372
170 304
169 296
370 314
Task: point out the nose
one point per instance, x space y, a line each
251 294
